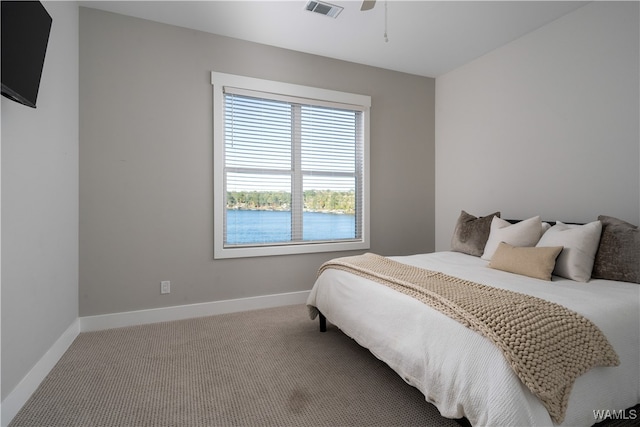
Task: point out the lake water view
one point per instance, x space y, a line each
258 226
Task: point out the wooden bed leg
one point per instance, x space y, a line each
323 323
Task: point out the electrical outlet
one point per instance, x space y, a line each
165 287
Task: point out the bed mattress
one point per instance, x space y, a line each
463 373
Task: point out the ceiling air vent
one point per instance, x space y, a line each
323 8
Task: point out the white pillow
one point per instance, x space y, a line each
580 244
523 233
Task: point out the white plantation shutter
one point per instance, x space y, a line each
275 147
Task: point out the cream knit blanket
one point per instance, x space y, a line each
547 345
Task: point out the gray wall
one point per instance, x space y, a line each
548 124
146 163
40 206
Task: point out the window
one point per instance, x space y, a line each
290 168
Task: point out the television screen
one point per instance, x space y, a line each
25 34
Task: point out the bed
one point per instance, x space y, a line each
462 372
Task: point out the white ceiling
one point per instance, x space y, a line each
427 38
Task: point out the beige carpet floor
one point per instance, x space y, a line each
262 368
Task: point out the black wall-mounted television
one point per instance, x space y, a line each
25 34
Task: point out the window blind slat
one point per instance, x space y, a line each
284 156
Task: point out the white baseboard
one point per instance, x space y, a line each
19 396
179 312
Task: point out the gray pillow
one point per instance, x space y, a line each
618 256
471 233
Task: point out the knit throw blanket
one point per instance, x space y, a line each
547 345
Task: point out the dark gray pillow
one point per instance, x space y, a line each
618 256
471 233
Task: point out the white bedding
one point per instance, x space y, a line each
462 373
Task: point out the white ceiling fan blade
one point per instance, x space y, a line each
367 5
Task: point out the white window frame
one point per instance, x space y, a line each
219 81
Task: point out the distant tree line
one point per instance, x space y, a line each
314 200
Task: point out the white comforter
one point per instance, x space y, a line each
464 374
